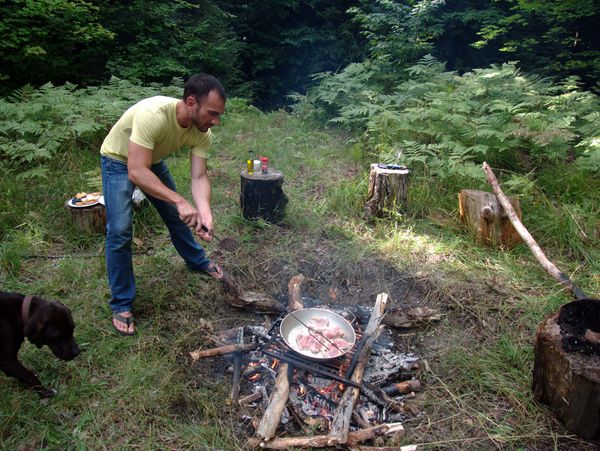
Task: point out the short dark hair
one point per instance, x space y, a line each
200 85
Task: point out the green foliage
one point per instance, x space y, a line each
171 39
555 37
57 40
398 33
286 41
39 127
445 123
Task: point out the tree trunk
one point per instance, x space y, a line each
387 191
487 220
567 382
88 219
262 196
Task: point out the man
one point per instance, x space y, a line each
131 156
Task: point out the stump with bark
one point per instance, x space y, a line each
388 190
566 373
487 220
88 219
262 196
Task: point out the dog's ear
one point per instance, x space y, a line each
34 330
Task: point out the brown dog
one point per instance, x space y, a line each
43 323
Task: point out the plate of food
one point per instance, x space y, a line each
84 199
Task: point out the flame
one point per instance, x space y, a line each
274 364
255 377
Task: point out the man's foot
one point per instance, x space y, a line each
123 323
214 270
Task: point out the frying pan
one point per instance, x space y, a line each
295 323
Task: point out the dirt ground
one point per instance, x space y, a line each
440 417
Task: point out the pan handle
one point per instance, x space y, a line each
353 316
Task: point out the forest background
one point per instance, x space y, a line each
439 86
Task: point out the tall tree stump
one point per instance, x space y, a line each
566 374
262 196
388 189
487 220
90 219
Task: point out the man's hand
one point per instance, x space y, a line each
204 228
187 213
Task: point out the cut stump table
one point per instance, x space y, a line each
486 219
88 219
566 373
262 196
388 190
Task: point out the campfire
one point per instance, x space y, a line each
292 400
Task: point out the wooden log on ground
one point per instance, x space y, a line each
411 317
262 196
237 368
318 441
88 219
569 380
221 350
272 416
340 424
270 420
388 190
486 219
548 266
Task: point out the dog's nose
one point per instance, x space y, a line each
76 352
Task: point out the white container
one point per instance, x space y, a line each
257 166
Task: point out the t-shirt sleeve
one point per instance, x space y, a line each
144 128
200 147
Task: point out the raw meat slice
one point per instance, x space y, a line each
318 323
334 332
307 342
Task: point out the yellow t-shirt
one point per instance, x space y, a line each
152 123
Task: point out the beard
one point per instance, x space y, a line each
196 123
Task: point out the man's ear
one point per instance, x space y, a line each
33 331
191 102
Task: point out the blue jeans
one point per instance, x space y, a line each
117 190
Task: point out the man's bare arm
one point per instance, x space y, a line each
201 191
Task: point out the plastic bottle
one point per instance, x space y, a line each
250 162
256 165
264 168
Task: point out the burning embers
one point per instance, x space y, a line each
344 400
317 387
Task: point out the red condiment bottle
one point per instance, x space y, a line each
264 167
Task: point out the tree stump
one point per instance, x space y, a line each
90 219
487 220
262 196
388 189
566 374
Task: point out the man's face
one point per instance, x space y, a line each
208 113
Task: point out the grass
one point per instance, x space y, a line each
146 393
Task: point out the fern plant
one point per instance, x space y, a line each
41 126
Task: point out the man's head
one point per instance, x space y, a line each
204 97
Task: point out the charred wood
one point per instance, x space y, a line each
341 420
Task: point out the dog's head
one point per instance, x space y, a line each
52 324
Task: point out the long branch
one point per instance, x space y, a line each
548 266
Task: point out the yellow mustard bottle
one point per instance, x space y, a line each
250 163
